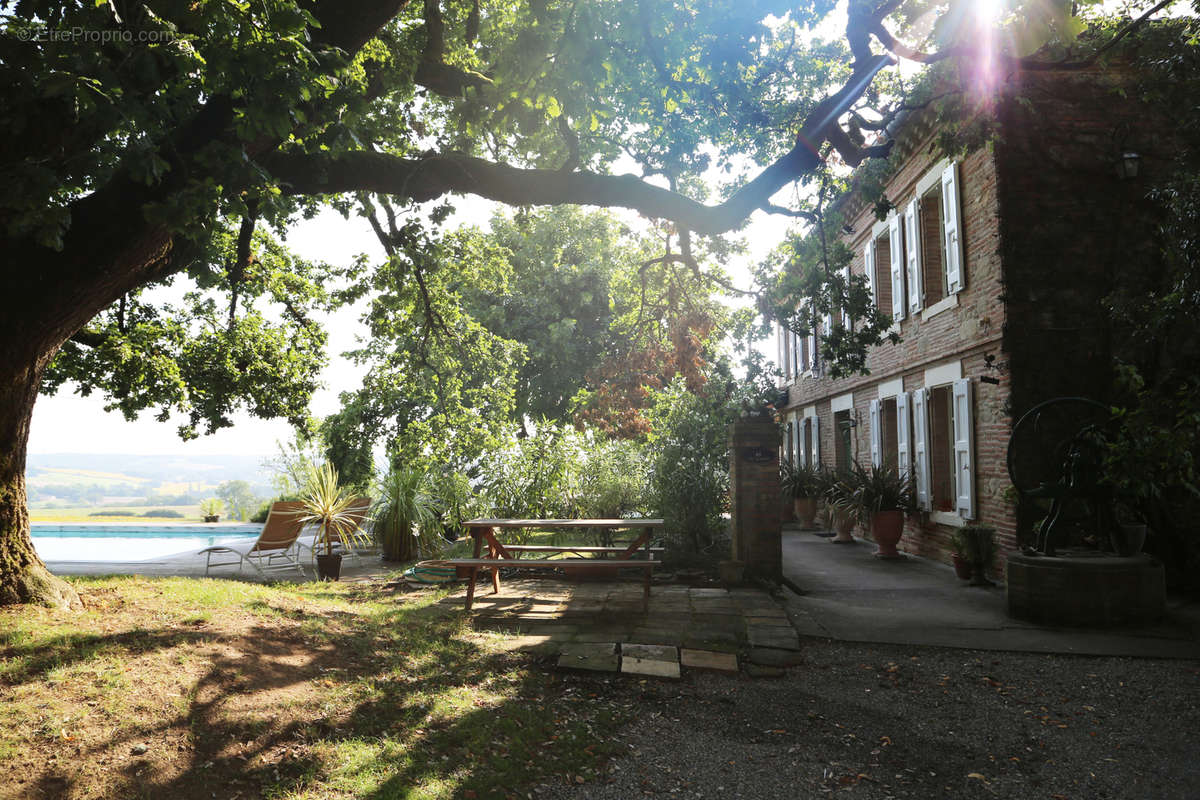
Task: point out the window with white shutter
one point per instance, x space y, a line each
844 316
781 341
912 255
869 269
951 214
816 441
896 261
811 339
920 447
876 435
964 456
903 434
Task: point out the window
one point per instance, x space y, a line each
943 447
877 262
885 433
932 244
843 429
810 441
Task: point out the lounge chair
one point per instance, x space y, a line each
277 546
309 539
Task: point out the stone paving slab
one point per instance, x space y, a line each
594 656
774 637
652 652
771 657
709 660
650 667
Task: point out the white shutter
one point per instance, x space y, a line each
896 250
781 335
792 371
816 440
845 311
876 436
796 438
950 227
869 268
912 254
903 434
964 456
920 415
812 337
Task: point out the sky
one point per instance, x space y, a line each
68 423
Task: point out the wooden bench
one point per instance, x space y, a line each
501 556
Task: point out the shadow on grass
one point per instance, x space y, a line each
365 705
23 663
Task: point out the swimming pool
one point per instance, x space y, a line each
131 541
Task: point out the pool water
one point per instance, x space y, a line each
132 542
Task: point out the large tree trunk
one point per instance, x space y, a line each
23 576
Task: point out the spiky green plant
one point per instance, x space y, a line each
405 515
331 506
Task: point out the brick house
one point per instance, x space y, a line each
1004 252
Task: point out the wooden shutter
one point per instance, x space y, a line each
920 447
896 250
964 455
782 335
912 255
876 436
845 315
796 440
951 214
816 440
903 435
812 337
869 268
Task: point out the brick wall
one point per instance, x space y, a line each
966 332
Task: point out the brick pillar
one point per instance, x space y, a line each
755 502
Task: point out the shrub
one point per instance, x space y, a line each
111 514
689 475
405 515
163 513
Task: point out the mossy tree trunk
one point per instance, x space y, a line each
23 576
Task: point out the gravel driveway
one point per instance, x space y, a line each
882 721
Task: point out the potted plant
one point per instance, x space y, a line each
960 559
976 544
405 518
803 484
211 509
324 502
881 497
837 490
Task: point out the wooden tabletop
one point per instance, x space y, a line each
563 523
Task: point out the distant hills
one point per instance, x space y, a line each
86 479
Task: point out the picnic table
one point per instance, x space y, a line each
499 555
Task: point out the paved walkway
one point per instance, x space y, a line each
853 596
549 615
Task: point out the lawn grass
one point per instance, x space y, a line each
184 687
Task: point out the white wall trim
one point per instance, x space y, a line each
943 373
880 228
931 178
950 518
843 402
809 411
891 388
945 304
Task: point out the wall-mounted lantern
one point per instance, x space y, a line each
1128 165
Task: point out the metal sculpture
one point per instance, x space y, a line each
1055 453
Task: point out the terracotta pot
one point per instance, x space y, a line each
732 572
962 567
886 529
1133 538
789 510
843 524
806 511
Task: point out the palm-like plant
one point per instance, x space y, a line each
328 504
405 515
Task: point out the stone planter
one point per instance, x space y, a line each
1133 539
843 525
886 529
962 567
806 511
